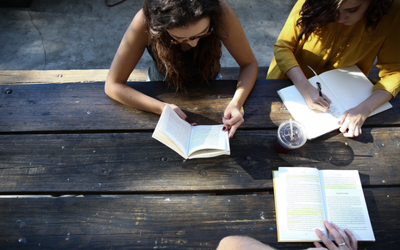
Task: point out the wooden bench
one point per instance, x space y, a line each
99 75
130 191
93 75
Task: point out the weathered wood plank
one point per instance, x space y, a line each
84 106
135 162
100 75
165 221
92 75
62 76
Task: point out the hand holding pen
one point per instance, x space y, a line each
320 89
320 102
314 99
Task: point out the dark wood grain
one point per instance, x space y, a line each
165 221
135 192
135 162
85 107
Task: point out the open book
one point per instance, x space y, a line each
305 197
346 87
200 141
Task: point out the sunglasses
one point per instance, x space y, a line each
173 41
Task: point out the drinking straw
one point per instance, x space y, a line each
291 129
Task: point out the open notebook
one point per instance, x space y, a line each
346 87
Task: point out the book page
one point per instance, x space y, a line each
299 204
345 202
209 138
351 87
207 153
316 123
173 131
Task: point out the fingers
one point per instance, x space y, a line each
352 120
353 241
233 130
315 101
321 104
342 118
349 128
179 112
318 245
353 132
326 98
328 243
335 232
324 102
345 240
232 124
344 236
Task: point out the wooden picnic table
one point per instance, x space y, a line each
88 174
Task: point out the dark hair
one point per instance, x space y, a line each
162 15
316 13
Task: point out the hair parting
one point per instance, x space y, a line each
163 15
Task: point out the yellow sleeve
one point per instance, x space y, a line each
389 61
287 40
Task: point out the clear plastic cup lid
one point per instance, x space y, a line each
292 138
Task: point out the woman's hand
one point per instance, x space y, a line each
314 100
180 113
232 119
352 120
345 240
308 91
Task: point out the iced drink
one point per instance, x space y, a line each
291 135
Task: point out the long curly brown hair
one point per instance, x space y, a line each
316 13
163 15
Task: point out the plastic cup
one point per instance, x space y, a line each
286 141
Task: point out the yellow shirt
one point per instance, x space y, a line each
352 45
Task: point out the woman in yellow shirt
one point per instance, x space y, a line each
336 33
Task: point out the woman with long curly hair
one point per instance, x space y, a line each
330 34
184 39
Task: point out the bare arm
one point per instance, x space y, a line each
128 55
310 94
239 48
241 243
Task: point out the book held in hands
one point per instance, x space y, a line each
306 197
346 87
201 141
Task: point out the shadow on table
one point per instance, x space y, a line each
200 119
337 153
256 153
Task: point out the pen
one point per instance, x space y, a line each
319 89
